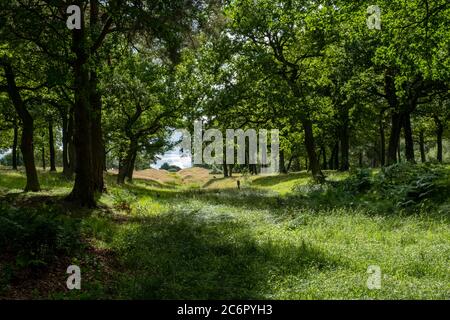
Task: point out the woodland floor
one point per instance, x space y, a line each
196 236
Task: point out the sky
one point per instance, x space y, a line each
175 156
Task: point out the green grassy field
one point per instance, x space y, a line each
276 238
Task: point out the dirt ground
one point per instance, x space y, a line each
195 175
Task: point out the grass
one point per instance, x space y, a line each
148 241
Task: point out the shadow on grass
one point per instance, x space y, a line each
185 256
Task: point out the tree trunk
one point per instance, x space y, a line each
409 142
105 166
422 146
83 192
131 166
345 148
439 134
51 146
396 118
43 157
65 158
331 160
14 148
394 139
71 146
122 171
310 145
324 157
225 170
98 147
290 163
26 144
26 147
382 142
127 164
282 164
336 159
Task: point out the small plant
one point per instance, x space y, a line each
123 199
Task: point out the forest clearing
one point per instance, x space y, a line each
153 240
225 149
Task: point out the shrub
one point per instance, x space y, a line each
408 184
36 237
401 185
123 199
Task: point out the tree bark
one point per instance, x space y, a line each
422 147
394 138
382 142
336 159
324 158
131 166
290 163
345 148
83 192
331 160
396 118
310 145
43 157
439 134
282 164
26 144
409 142
71 145
225 169
51 146
98 147
127 164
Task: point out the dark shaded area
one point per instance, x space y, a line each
182 256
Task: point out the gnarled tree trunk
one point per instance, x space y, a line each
26 144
